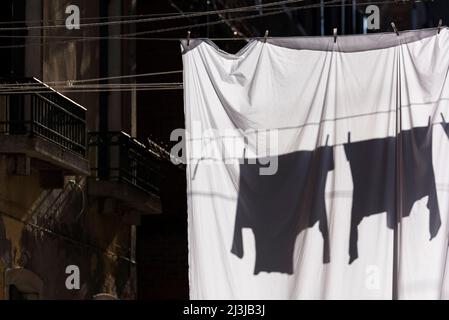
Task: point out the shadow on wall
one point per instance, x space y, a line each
61 229
278 207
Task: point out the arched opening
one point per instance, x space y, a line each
22 284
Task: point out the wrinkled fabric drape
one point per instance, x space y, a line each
319 170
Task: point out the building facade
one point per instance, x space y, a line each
74 183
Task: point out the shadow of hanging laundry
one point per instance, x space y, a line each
373 172
278 207
445 125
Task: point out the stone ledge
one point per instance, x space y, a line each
45 150
130 196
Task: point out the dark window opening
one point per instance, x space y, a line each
16 294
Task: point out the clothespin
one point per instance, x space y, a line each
265 36
188 38
349 137
335 35
327 140
444 120
394 28
440 24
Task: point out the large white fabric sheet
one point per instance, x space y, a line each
315 93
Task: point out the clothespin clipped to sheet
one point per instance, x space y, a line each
335 35
442 117
265 36
440 24
188 38
394 28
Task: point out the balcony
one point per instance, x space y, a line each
42 128
127 174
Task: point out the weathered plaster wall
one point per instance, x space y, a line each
71 59
39 229
47 230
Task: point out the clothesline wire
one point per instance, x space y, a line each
162 18
166 14
91 90
129 36
24 89
50 83
169 14
70 87
330 3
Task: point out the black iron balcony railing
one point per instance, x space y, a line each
122 158
30 107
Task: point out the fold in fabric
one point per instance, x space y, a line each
306 158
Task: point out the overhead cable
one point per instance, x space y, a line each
164 18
